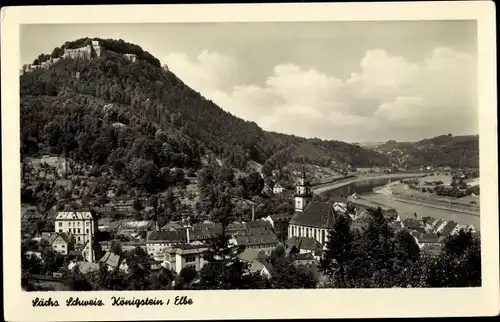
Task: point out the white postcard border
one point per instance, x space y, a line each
317 303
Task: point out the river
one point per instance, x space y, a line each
366 190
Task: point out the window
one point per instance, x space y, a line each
60 230
60 224
62 246
78 224
79 231
190 259
55 246
79 239
87 224
87 230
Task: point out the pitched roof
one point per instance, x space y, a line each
74 215
110 259
170 236
428 238
316 215
307 243
173 225
304 257
53 237
448 228
278 217
250 255
411 222
253 240
431 249
258 224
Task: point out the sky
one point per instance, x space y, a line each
348 81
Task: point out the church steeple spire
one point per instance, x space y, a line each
303 193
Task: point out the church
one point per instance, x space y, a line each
311 219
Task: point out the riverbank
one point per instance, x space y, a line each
437 204
394 189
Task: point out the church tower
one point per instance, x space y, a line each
303 194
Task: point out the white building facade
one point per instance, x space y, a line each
81 225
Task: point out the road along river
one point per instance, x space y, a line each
365 187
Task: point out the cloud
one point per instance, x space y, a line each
389 97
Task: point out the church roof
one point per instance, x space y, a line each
316 215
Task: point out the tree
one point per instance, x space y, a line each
116 248
286 275
186 276
338 251
78 282
254 184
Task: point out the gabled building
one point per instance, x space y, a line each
80 224
304 245
278 188
177 257
261 240
158 241
114 262
60 242
256 261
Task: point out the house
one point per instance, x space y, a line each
80 224
412 224
114 261
50 165
302 245
439 226
448 228
429 223
177 257
158 241
392 215
256 260
256 239
172 226
278 188
280 223
424 239
60 242
303 259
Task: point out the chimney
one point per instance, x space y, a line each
157 227
187 234
253 212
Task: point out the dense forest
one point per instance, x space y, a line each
111 111
444 150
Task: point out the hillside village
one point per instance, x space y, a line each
109 192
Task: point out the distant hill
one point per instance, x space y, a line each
443 150
134 115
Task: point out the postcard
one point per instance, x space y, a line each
249 161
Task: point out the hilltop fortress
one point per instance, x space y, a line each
89 51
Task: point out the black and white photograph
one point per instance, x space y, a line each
249 155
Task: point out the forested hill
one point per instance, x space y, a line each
111 110
443 150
